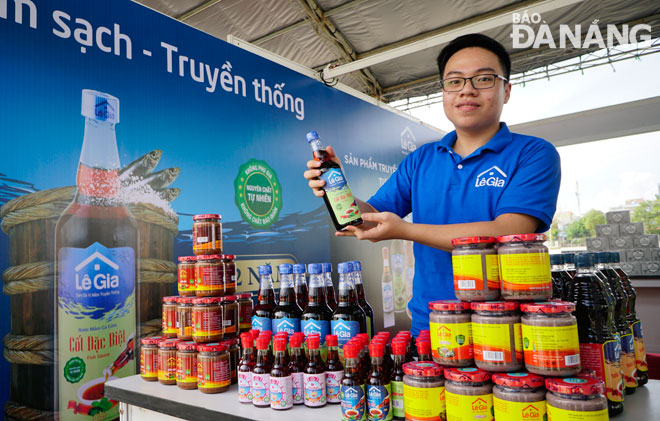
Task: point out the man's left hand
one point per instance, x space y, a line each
378 226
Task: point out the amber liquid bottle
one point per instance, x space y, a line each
314 376
261 375
300 286
297 365
317 315
330 293
362 297
262 313
96 243
348 319
423 350
286 316
379 386
338 197
245 366
281 384
352 390
334 370
399 353
561 280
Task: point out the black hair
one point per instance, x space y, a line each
475 40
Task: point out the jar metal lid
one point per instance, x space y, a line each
494 305
151 340
228 298
186 300
472 240
207 300
550 307
170 300
520 380
518 238
187 258
576 386
210 257
467 375
422 369
449 305
168 344
213 347
187 346
207 216
229 256
244 295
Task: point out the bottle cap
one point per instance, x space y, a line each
170 300
263 342
552 307
518 380
314 268
151 340
569 258
255 333
100 106
357 265
294 341
185 300
467 375
584 386
267 332
228 298
265 270
311 136
187 258
210 257
345 267
187 346
585 260
246 340
603 257
214 347
206 301
449 305
423 347
244 295
472 240
168 343
615 257
494 305
331 340
350 350
398 348
279 344
313 342
327 267
229 256
285 269
376 350
519 238
422 369
298 268
206 216
556 259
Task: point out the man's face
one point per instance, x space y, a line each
475 109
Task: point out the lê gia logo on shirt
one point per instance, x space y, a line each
493 177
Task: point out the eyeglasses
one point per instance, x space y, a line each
483 81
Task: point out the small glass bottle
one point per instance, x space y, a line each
261 375
379 386
423 350
330 293
300 285
314 375
297 364
362 297
334 371
262 314
286 316
399 353
281 385
245 366
352 391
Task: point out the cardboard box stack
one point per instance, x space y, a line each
639 252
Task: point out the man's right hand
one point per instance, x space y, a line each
313 173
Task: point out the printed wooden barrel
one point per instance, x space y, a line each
29 221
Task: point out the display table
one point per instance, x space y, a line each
143 400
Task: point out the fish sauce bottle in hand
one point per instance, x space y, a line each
338 197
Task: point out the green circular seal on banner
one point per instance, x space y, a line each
74 370
258 193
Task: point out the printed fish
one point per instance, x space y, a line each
170 194
159 180
141 166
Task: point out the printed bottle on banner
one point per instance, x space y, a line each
398 274
338 197
362 297
379 387
348 319
297 366
96 243
410 268
300 285
386 282
286 316
261 374
281 383
317 315
352 391
334 371
330 293
314 375
262 313
245 366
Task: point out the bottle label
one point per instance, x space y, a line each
298 388
397 399
207 323
186 279
244 386
332 382
260 389
628 360
423 403
96 323
451 341
186 368
525 272
321 327
469 273
169 320
379 402
149 364
492 342
340 196
519 411
314 385
603 361
388 298
345 330
352 403
556 414
281 392
551 347
210 278
213 374
286 324
640 349
463 408
261 323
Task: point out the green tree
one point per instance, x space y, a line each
576 230
590 219
648 212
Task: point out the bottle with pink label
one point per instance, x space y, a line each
245 367
281 384
261 374
297 367
314 375
334 370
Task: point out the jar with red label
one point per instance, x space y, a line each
213 374
207 234
149 358
524 267
245 306
451 333
209 272
167 361
207 320
229 316
186 274
184 318
229 266
169 317
186 365
468 394
519 397
476 269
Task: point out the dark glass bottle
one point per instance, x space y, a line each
600 351
339 200
262 313
633 321
379 386
330 293
387 355
314 375
348 319
362 298
334 370
399 354
297 364
561 280
261 374
286 316
300 285
245 366
352 391
281 384
316 317
569 263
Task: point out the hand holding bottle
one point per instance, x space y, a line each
378 226
314 171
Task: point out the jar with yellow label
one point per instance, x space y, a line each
468 394
207 234
524 267
209 274
497 336
186 365
169 317
550 338
149 358
167 361
423 392
213 374
186 276
519 397
184 319
229 273
451 333
476 269
207 320
576 399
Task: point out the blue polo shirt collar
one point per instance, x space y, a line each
498 142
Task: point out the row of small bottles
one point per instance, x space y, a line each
314 308
610 333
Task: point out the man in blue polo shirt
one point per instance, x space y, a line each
478 180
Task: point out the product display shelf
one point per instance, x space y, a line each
152 401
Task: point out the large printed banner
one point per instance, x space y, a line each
200 127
